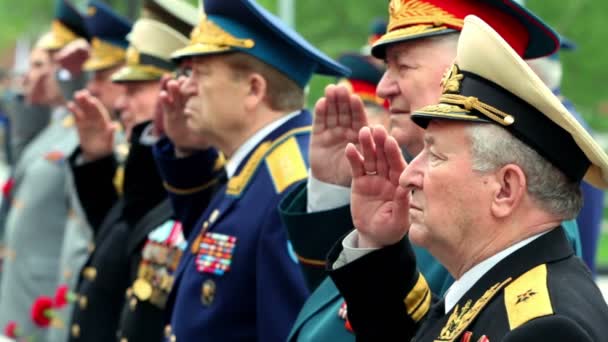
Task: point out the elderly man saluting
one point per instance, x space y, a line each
500 169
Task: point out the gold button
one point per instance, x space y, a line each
173 338
167 330
124 339
133 304
82 302
90 273
75 330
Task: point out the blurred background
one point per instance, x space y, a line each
336 26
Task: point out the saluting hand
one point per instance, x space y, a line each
73 56
338 118
171 120
379 206
94 125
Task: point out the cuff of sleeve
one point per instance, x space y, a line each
184 175
324 196
81 167
350 250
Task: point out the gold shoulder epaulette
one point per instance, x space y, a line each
284 161
527 297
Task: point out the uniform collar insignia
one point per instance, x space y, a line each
462 317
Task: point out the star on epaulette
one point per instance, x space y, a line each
525 296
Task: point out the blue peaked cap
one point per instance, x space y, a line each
274 42
103 23
69 16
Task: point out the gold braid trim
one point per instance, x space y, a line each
104 55
209 33
189 191
62 33
414 12
311 262
450 83
470 102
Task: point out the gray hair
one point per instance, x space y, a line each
493 147
450 39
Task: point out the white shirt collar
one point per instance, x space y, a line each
233 163
470 277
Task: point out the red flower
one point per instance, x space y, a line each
11 329
62 296
348 326
8 187
42 311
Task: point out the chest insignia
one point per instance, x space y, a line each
215 253
462 317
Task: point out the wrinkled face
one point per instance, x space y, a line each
137 103
448 197
101 86
413 80
39 84
215 98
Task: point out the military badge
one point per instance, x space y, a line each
462 317
160 258
208 292
142 289
55 156
215 253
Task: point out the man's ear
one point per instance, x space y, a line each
256 91
510 190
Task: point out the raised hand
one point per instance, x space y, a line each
73 56
338 118
379 206
170 119
94 125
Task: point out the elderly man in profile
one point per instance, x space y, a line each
500 169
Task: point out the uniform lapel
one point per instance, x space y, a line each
322 297
550 247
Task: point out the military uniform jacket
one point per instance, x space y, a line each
238 279
541 292
105 277
323 316
155 248
36 221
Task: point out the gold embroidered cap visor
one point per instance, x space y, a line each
58 37
416 19
103 56
108 30
245 26
148 56
490 83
